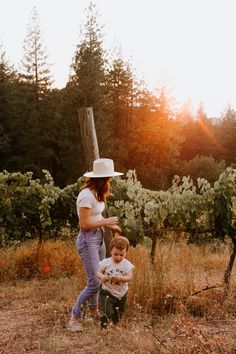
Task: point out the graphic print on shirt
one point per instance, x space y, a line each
112 273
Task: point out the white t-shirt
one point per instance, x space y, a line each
119 269
86 199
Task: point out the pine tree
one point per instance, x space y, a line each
154 143
226 133
120 98
199 137
34 110
120 84
7 71
87 79
88 65
7 77
34 67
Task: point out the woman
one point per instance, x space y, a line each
90 241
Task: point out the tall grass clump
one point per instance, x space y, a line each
179 270
29 259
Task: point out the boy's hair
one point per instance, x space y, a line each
119 242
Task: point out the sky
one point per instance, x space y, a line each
188 43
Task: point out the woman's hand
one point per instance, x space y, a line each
113 220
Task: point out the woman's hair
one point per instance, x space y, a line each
100 185
119 242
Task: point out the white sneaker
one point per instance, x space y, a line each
74 326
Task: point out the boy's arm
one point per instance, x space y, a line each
123 278
101 275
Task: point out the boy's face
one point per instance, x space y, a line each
118 255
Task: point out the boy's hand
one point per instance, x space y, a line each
116 279
104 278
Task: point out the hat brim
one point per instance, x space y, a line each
93 175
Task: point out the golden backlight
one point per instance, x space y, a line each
191 42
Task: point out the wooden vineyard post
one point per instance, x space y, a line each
89 137
90 144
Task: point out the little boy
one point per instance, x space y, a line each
115 273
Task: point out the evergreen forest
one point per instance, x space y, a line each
141 130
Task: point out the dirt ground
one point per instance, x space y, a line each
34 314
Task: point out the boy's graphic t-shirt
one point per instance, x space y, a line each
111 269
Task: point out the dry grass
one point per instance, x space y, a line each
38 289
52 258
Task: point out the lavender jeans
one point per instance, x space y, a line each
91 248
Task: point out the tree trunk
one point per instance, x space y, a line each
231 263
153 248
38 250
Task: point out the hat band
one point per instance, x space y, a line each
103 171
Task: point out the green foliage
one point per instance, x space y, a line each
126 201
224 204
196 209
201 166
30 208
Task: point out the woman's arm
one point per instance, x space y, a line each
86 223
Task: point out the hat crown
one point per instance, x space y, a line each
103 167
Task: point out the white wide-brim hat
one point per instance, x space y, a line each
103 168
